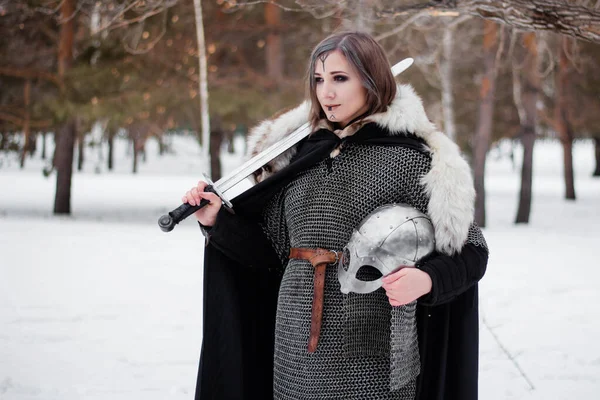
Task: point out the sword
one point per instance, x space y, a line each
168 221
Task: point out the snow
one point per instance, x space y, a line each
103 305
541 292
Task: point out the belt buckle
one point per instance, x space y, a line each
337 257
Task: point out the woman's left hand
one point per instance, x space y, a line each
406 285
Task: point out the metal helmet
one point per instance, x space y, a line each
391 236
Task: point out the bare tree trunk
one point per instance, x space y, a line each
203 82
527 140
529 95
568 166
216 138
44 145
562 120
446 81
135 135
63 161
161 145
111 146
32 143
230 135
66 37
65 143
483 131
55 140
80 151
597 153
26 124
274 50
134 143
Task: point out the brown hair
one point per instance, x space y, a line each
368 59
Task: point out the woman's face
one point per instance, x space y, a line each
339 89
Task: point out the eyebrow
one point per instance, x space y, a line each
334 72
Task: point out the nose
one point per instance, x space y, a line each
328 91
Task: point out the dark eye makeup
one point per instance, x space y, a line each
337 78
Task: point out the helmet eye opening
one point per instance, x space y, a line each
368 273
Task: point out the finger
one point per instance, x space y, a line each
211 197
391 285
395 303
202 185
400 285
392 295
196 194
393 289
188 198
397 293
394 276
397 298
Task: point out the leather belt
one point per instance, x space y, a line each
319 258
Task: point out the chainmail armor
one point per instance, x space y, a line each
476 237
367 348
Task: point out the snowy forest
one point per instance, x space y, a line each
111 109
147 69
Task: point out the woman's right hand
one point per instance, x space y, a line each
207 215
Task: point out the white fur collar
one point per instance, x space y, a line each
448 184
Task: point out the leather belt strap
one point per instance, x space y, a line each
319 258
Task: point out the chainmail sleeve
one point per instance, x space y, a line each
453 275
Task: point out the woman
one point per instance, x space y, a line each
416 337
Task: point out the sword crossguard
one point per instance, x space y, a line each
216 191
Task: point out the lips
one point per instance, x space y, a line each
331 107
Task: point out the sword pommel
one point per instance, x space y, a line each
168 221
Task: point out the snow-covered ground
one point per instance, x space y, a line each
103 305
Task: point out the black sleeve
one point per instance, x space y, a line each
240 239
453 275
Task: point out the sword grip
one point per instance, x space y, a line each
168 221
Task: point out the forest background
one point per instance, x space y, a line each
148 69
100 304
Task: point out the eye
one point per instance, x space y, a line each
340 78
318 79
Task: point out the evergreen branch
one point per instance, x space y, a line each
29 74
21 122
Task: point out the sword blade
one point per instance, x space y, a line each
261 159
400 67
168 221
